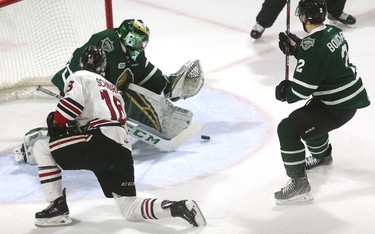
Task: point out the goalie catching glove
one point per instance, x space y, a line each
186 82
288 43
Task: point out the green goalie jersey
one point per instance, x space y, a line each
145 74
324 71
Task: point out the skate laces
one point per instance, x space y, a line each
311 161
290 186
49 207
344 16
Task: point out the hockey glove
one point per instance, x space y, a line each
54 129
280 91
288 43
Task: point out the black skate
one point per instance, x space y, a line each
327 160
344 19
56 214
257 31
186 209
297 190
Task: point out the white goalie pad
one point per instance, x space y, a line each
24 154
173 119
187 81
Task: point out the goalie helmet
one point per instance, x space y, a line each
134 35
315 11
93 59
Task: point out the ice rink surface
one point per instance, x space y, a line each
233 176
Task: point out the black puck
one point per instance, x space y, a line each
205 137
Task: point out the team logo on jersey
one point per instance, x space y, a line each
107 45
307 43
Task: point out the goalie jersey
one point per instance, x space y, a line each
91 100
145 74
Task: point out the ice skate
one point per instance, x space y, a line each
297 190
257 31
312 162
56 214
344 19
186 209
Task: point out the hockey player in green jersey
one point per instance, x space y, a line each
127 63
324 74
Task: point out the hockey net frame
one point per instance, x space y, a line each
15 14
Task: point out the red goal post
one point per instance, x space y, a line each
37 38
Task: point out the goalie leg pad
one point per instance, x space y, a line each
173 119
24 154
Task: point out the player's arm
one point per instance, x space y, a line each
71 106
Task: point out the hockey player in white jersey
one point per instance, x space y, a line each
101 145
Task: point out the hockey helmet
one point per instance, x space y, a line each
93 59
134 35
315 11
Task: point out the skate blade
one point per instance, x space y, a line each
199 218
61 220
320 167
303 198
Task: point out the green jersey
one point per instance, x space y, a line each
145 73
324 71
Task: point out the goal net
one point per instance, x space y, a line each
37 38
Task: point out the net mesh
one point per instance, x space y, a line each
37 38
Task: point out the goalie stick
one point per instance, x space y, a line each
149 135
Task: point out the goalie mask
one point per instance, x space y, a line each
93 59
134 35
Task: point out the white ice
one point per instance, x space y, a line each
236 196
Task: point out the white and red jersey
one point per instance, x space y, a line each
90 100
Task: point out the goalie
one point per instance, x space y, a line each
124 47
146 90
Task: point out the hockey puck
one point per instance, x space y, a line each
205 137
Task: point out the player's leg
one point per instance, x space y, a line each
336 12
57 213
138 209
267 16
293 156
318 121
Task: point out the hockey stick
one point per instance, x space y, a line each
143 133
287 30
